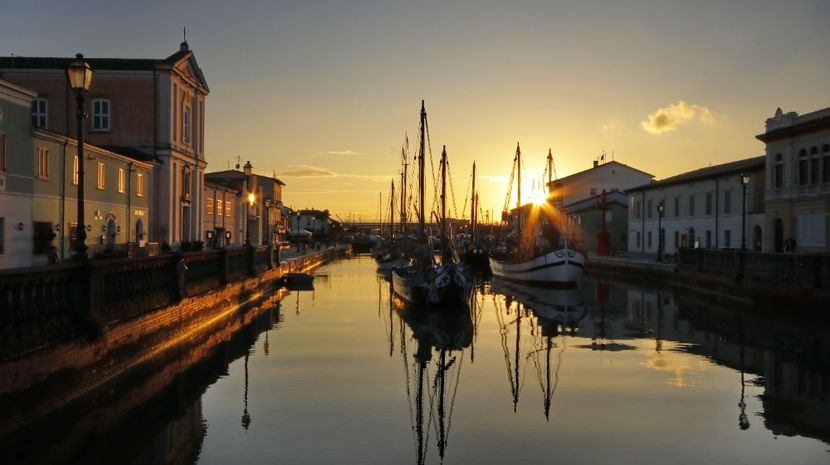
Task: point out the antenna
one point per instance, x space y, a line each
184 34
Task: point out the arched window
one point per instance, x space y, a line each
814 165
802 168
778 180
825 162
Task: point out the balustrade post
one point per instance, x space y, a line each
251 260
226 273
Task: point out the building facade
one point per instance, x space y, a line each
117 198
222 217
147 109
579 195
16 176
797 194
701 208
261 204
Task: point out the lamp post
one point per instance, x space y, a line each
79 74
660 209
744 183
248 169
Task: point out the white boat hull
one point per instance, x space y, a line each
561 267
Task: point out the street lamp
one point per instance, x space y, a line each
248 170
79 74
660 208
744 183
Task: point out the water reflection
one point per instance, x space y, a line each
589 375
447 334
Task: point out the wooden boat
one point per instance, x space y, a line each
562 266
476 254
298 279
423 281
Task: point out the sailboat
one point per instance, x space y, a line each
389 256
541 254
476 254
423 281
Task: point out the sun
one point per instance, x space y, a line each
538 198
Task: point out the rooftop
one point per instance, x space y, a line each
600 166
733 167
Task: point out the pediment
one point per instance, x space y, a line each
187 68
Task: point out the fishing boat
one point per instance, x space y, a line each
476 253
424 281
389 255
541 253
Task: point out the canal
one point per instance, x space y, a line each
606 373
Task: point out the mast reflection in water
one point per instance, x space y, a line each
606 373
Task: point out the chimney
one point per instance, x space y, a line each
183 47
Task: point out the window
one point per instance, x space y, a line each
121 180
638 238
708 239
42 163
209 206
802 168
101 176
727 201
2 235
39 107
677 206
708 203
677 239
692 205
727 238
648 239
825 163
100 115
186 125
139 185
778 173
227 209
814 165
75 170
219 206
650 209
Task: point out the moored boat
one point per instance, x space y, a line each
535 259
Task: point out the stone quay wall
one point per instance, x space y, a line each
749 277
85 338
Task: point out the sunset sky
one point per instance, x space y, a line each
323 92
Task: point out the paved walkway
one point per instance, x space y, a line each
637 261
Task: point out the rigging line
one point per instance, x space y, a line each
452 400
432 169
467 191
452 191
503 334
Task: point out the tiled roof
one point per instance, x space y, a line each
600 166
732 167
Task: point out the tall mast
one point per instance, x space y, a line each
550 168
474 206
392 211
404 155
444 194
519 171
421 178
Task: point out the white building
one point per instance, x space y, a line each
701 208
16 175
797 197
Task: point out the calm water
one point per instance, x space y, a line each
603 374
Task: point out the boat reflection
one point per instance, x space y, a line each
444 335
557 313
